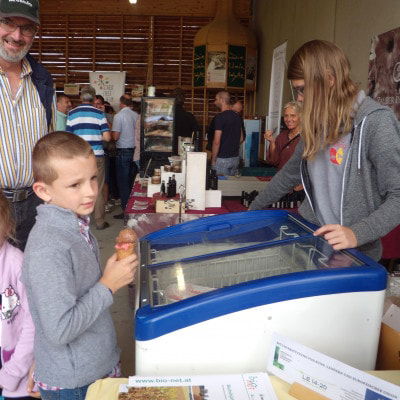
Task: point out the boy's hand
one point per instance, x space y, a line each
118 274
338 236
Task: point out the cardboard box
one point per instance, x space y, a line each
213 198
389 342
169 206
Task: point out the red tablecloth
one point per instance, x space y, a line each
138 203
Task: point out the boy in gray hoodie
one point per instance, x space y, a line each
348 159
69 296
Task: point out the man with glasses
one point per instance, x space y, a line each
27 104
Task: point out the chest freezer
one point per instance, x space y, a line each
213 290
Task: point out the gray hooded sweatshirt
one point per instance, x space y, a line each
75 341
370 192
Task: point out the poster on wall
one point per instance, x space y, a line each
237 66
216 67
384 70
111 85
273 120
71 89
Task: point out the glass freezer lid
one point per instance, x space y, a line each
223 236
181 280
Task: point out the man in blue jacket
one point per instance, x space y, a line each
27 99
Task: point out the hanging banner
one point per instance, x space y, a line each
384 70
236 66
199 66
111 85
273 121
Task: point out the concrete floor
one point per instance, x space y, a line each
121 311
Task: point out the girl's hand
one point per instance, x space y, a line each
268 135
31 383
338 236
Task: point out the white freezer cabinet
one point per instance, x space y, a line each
213 290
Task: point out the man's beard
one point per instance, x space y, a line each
11 56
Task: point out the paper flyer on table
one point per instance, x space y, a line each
295 363
255 386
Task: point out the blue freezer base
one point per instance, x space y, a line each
213 290
344 326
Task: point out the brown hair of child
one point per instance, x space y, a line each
56 145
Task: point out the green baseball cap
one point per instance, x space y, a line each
20 8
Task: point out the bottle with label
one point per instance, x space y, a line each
197 140
169 187
173 184
163 190
208 178
214 180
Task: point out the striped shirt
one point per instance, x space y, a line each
89 123
22 123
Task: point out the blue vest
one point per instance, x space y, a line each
43 82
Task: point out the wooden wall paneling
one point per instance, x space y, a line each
201 8
94 43
151 49
107 40
150 64
166 51
135 48
66 63
180 49
121 43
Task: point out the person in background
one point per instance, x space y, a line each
282 147
349 157
123 132
17 329
99 102
24 85
210 134
91 124
136 106
185 124
237 106
227 137
64 105
69 295
109 150
110 191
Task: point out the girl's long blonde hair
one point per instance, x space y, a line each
7 225
329 93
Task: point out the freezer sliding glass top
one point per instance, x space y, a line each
180 280
218 234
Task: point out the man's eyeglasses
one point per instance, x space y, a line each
28 30
298 90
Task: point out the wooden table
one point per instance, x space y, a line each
107 389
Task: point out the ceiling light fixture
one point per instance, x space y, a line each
133 1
